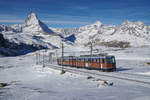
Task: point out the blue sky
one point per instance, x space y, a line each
75 13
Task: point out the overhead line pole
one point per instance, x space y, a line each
91 49
62 55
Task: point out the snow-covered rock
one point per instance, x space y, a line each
35 26
17 27
32 33
6 28
135 33
65 32
11 28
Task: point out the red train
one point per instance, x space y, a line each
104 63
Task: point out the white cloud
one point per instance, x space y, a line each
63 19
11 21
45 21
64 16
64 22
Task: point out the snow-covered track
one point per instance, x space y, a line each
138 75
142 80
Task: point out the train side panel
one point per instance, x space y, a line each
81 63
94 63
107 63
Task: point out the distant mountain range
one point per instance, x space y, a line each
34 32
133 33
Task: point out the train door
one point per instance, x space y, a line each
74 62
86 62
101 66
101 63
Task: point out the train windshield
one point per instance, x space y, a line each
110 60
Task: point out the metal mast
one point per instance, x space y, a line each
62 56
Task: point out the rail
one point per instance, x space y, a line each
91 72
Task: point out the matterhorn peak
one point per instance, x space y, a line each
34 25
31 19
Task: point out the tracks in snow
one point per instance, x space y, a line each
141 79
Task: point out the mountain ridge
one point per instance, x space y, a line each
136 33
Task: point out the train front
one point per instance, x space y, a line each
110 63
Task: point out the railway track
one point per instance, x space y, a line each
125 73
128 76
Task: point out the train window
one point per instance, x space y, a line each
109 60
113 60
86 60
89 60
95 60
92 60
101 60
82 59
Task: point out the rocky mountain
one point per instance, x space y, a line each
34 25
34 35
8 48
30 36
131 33
135 33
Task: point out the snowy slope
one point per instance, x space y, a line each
28 81
134 32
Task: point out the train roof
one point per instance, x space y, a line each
86 57
95 55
